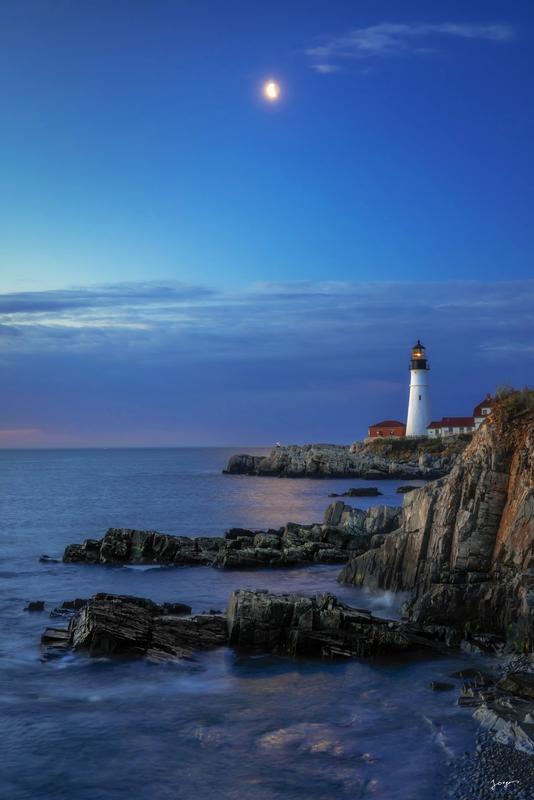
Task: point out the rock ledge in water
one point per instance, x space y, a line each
134 627
124 626
345 531
403 459
315 626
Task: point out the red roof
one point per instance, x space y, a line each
489 402
453 422
388 423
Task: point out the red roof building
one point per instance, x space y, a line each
483 410
448 426
387 429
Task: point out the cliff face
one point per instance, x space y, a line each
403 459
465 547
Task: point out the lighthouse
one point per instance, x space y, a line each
419 402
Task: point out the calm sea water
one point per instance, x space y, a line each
228 727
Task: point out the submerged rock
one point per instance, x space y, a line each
370 491
54 643
440 686
44 559
35 605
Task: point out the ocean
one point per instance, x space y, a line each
224 725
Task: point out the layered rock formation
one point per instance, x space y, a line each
465 547
134 627
402 459
120 625
346 531
315 626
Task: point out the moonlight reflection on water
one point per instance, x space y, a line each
228 724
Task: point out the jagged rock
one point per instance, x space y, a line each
370 491
242 464
440 686
467 672
319 626
331 542
35 605
505 707
518 683
510 722
465 547
405 489
55 643
68 608
120 625
377 519
133 627
404 459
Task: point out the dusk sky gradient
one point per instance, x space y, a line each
184 263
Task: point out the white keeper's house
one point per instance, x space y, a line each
449 426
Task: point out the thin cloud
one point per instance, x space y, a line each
326 69
274 361
394 40
99 296
199 323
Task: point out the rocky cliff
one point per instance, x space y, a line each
465 547
402 459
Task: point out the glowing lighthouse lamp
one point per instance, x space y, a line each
419 402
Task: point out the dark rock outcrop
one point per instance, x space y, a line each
68 608
35 605
315 626
465 548
120 626
440 686
402 459
520 684
133 627
346 530
505 707
366 491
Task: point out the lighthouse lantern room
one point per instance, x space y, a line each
419 401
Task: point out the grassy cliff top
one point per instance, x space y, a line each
424 444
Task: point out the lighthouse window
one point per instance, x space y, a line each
419 397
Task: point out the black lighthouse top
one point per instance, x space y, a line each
419 360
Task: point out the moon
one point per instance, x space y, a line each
271 91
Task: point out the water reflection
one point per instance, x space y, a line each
228 725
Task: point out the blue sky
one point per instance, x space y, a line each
183 263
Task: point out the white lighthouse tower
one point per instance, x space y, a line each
419 402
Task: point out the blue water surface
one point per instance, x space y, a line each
226 725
